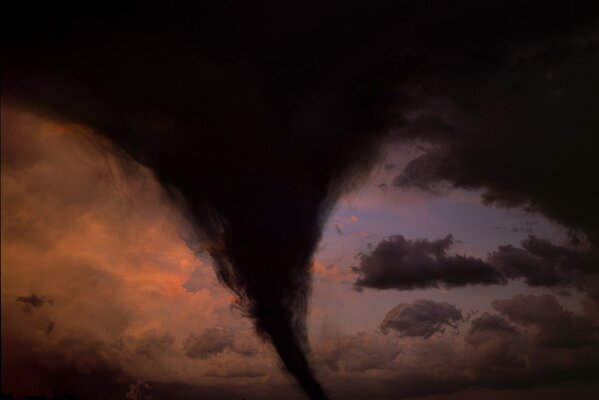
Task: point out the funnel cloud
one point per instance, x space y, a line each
256 117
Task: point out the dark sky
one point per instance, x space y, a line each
340 199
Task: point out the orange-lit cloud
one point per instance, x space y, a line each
95 234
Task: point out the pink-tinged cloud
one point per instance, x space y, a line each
95 235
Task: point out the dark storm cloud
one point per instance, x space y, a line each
257 116
557 327
399 263
542 263
523 130
421 318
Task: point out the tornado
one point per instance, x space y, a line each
255 133
255 117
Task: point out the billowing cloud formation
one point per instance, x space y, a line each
107 316
542 263
228 102
422 318
557 327
399 263
491 351
508 134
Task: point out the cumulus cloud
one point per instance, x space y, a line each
556 326
421 318
491 351
542 263
400 263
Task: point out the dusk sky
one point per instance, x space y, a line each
325 200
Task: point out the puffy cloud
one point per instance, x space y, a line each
542 263
557 327
399 263
421 318
491 351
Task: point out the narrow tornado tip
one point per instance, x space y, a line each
296 363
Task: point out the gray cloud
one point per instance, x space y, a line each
524 160
495 352
542 263
557 327
421 318
399 263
